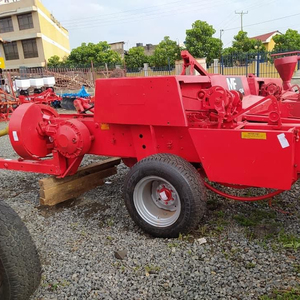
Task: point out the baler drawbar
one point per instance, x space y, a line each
177 133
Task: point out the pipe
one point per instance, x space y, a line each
4 131
238 198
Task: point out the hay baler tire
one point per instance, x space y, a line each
20 269
165 195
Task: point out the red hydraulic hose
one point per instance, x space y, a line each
238 198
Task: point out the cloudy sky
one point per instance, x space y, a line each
140 21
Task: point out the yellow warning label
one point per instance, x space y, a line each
254 135
2 63
104 126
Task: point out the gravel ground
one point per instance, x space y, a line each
250 251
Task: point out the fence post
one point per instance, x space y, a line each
257 58
246 62
146 66
216 64
222 65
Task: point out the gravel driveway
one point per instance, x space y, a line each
249 251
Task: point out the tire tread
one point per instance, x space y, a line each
18 256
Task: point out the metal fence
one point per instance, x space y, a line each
150 71
259 64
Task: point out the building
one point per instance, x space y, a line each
32 34
118 47
148 49
267 39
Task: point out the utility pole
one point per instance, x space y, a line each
221 33
241 13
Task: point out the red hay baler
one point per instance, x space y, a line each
178 134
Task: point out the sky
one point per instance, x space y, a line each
148 22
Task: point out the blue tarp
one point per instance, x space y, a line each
82 94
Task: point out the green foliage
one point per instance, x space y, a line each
136 58
250 266
186 238
54 61
173 245
289 240
150 269
201 43
99 54
287 42
256 217
243 44
288 294
167 51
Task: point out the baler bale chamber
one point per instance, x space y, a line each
177 134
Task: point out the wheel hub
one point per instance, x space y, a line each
165 197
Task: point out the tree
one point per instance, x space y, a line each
97 53
243 50
243 44
136 58
54 61
165 53
289 41
201 43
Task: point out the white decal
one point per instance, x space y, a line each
163 196
15 136
283 141
231 83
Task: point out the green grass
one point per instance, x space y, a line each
292 294
256 217
150 269
289 240
250 266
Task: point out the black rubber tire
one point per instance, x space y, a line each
20 269
68 103
184 178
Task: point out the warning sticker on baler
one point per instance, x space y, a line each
254 135
104 126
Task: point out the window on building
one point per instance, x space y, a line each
30 48
25 21
11 51
6 25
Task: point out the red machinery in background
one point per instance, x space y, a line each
48 97
236 131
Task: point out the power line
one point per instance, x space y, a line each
241 13
151 15
256 5
121 12
115 17
263 22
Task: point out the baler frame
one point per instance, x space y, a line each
254 125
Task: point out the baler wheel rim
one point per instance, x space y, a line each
151 207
